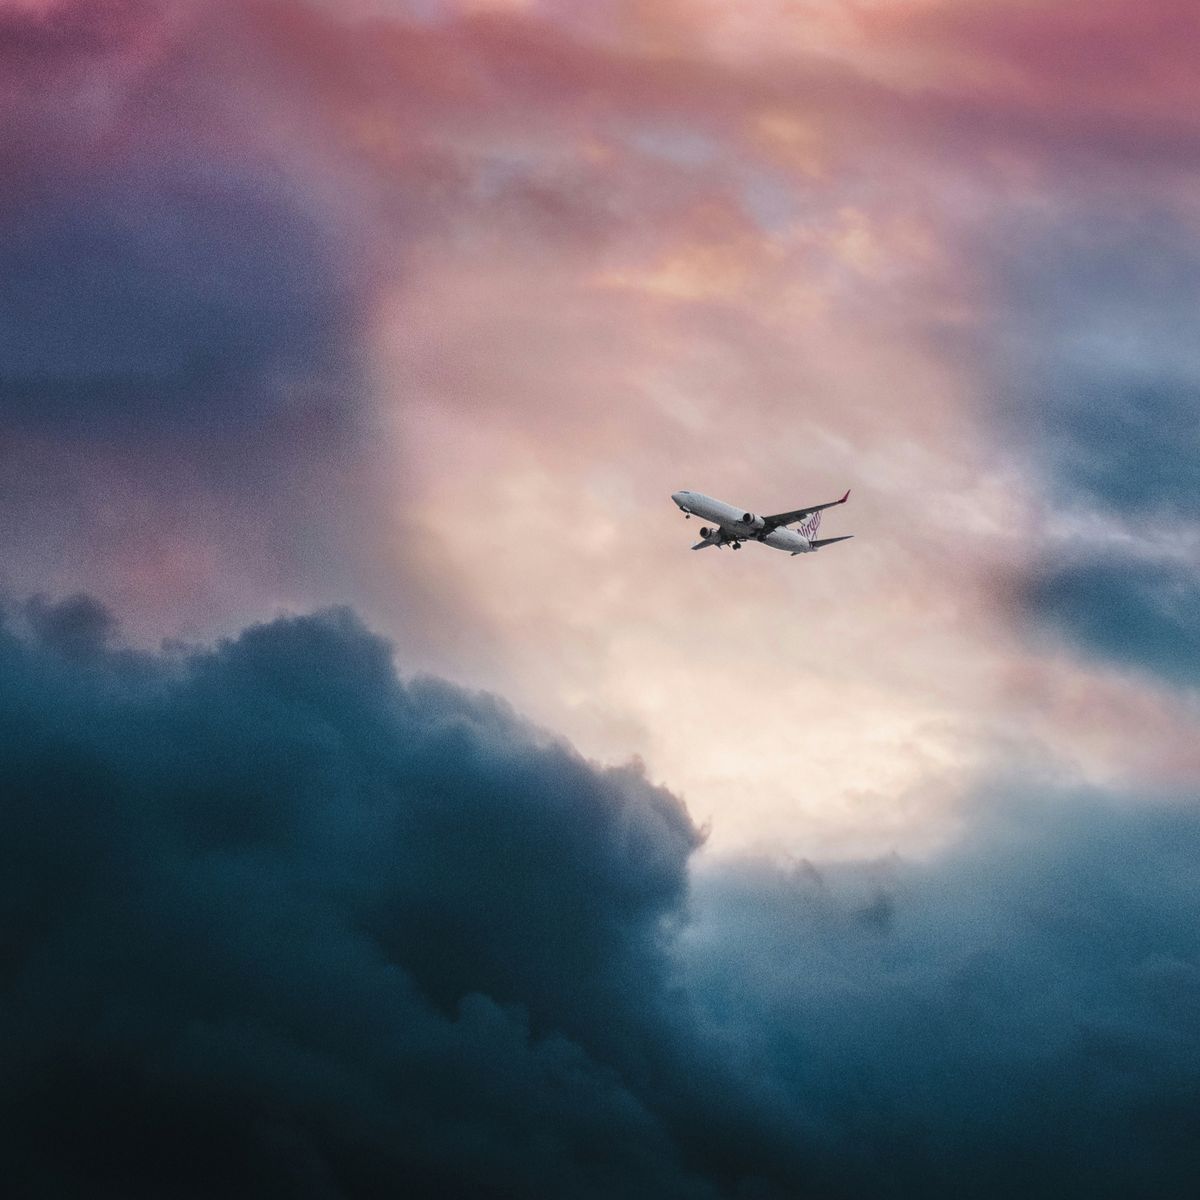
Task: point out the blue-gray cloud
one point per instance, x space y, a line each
181 376
1097 369
169 301
1097 384
1019 1017
274 922
162 274
1127 611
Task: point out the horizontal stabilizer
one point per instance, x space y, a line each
829 541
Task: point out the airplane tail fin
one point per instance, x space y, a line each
829 541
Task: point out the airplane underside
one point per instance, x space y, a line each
721 537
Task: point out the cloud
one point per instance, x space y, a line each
160 279
1100 378
1131 612
427 310
1098 389
1114 58
276 922
185 409
1019 1015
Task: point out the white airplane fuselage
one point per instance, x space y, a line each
736 524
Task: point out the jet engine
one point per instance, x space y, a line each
753 521
705 531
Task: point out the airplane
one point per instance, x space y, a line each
734 525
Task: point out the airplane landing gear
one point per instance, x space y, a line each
737 545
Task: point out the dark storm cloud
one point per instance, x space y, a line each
77 627
276 923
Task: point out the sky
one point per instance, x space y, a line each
349 354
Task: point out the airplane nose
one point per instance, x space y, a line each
677 497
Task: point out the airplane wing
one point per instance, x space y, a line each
800 513
706 542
